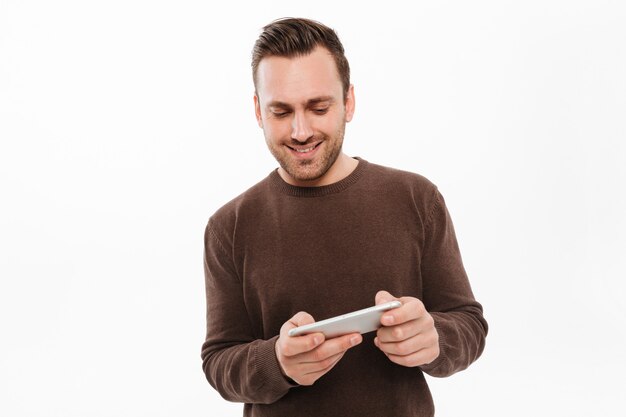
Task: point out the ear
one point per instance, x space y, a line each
350 103
257 111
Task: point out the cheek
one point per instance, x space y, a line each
276 130
330 125
273 132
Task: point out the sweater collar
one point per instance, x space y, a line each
321 191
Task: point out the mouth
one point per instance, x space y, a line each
304 151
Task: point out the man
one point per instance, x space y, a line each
323 235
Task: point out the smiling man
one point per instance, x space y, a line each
323 235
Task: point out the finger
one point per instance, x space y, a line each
293 346
327 364
399 332
309 366
383 297
331 347
419 358
308 378
306 368
300 319
297 345
403 348
408 346
411 309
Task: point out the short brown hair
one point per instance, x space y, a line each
291 37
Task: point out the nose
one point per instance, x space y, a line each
301 128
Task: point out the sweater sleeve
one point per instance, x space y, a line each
240 366
448 297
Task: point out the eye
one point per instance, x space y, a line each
280 114
321 111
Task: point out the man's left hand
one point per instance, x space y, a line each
408 336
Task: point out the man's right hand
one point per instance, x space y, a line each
306 358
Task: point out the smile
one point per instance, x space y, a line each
304 150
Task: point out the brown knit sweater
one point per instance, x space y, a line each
278 249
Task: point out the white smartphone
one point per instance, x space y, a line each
361 321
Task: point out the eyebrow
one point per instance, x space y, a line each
323 99
309 103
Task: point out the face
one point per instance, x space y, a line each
300 107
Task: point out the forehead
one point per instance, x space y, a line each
299 79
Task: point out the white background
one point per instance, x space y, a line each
125 124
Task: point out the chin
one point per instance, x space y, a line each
305 175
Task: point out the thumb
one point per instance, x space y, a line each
301 318
384 297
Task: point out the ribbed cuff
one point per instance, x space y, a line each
274 382
431 368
